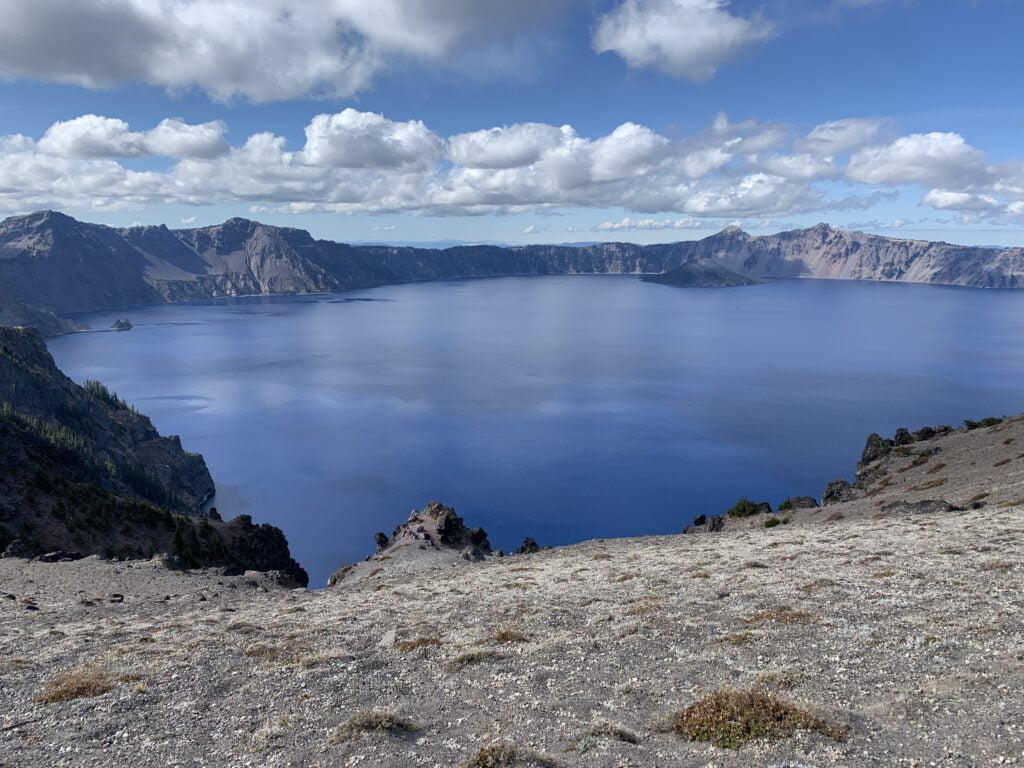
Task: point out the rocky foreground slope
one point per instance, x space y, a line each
84 473
52 265
883 629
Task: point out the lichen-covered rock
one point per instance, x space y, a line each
837 491
875 448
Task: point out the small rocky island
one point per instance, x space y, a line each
122 324
702 274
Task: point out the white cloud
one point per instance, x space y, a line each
353 139
363 162
930 159
839 136
97 136
506 147
683 38
629 223
262 50
531 230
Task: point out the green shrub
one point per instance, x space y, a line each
744 507
991 421
771 523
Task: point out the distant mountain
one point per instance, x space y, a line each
702 274
53 266
84 472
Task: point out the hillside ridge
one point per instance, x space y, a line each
53 266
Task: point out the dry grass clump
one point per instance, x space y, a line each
930 484
936 468
263 652
405 646
729 719
737 639
507 635
503 755
978 497
82 682
783 615
604 728
474 657
1002 463
371 720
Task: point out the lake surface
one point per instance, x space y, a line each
564 408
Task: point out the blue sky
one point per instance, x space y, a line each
902 117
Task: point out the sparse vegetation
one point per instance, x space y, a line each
370 721
991 421
604 728
729 719
782 615
86 681
772 522
474 657
507 635
405 646
99 390
503 755
930 484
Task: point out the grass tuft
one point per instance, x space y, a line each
372 720
604 728
405 646
83 682
502 755
729 719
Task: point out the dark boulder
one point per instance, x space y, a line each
903 437
528 547
764 508
60 556
381 540
924 433
837 491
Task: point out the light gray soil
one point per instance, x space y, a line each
904 627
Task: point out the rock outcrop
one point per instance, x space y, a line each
432 533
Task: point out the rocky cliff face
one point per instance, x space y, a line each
52 265
84 472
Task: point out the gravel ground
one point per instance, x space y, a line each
904 630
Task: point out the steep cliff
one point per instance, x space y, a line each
83 471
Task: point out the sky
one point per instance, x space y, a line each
532 121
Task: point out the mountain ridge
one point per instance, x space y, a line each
53 266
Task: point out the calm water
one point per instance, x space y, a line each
564 408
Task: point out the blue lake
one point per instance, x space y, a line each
564 408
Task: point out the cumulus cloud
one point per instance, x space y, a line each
355 161
353 139
98 136
262 50
683 38
930 159
506 147
839 136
